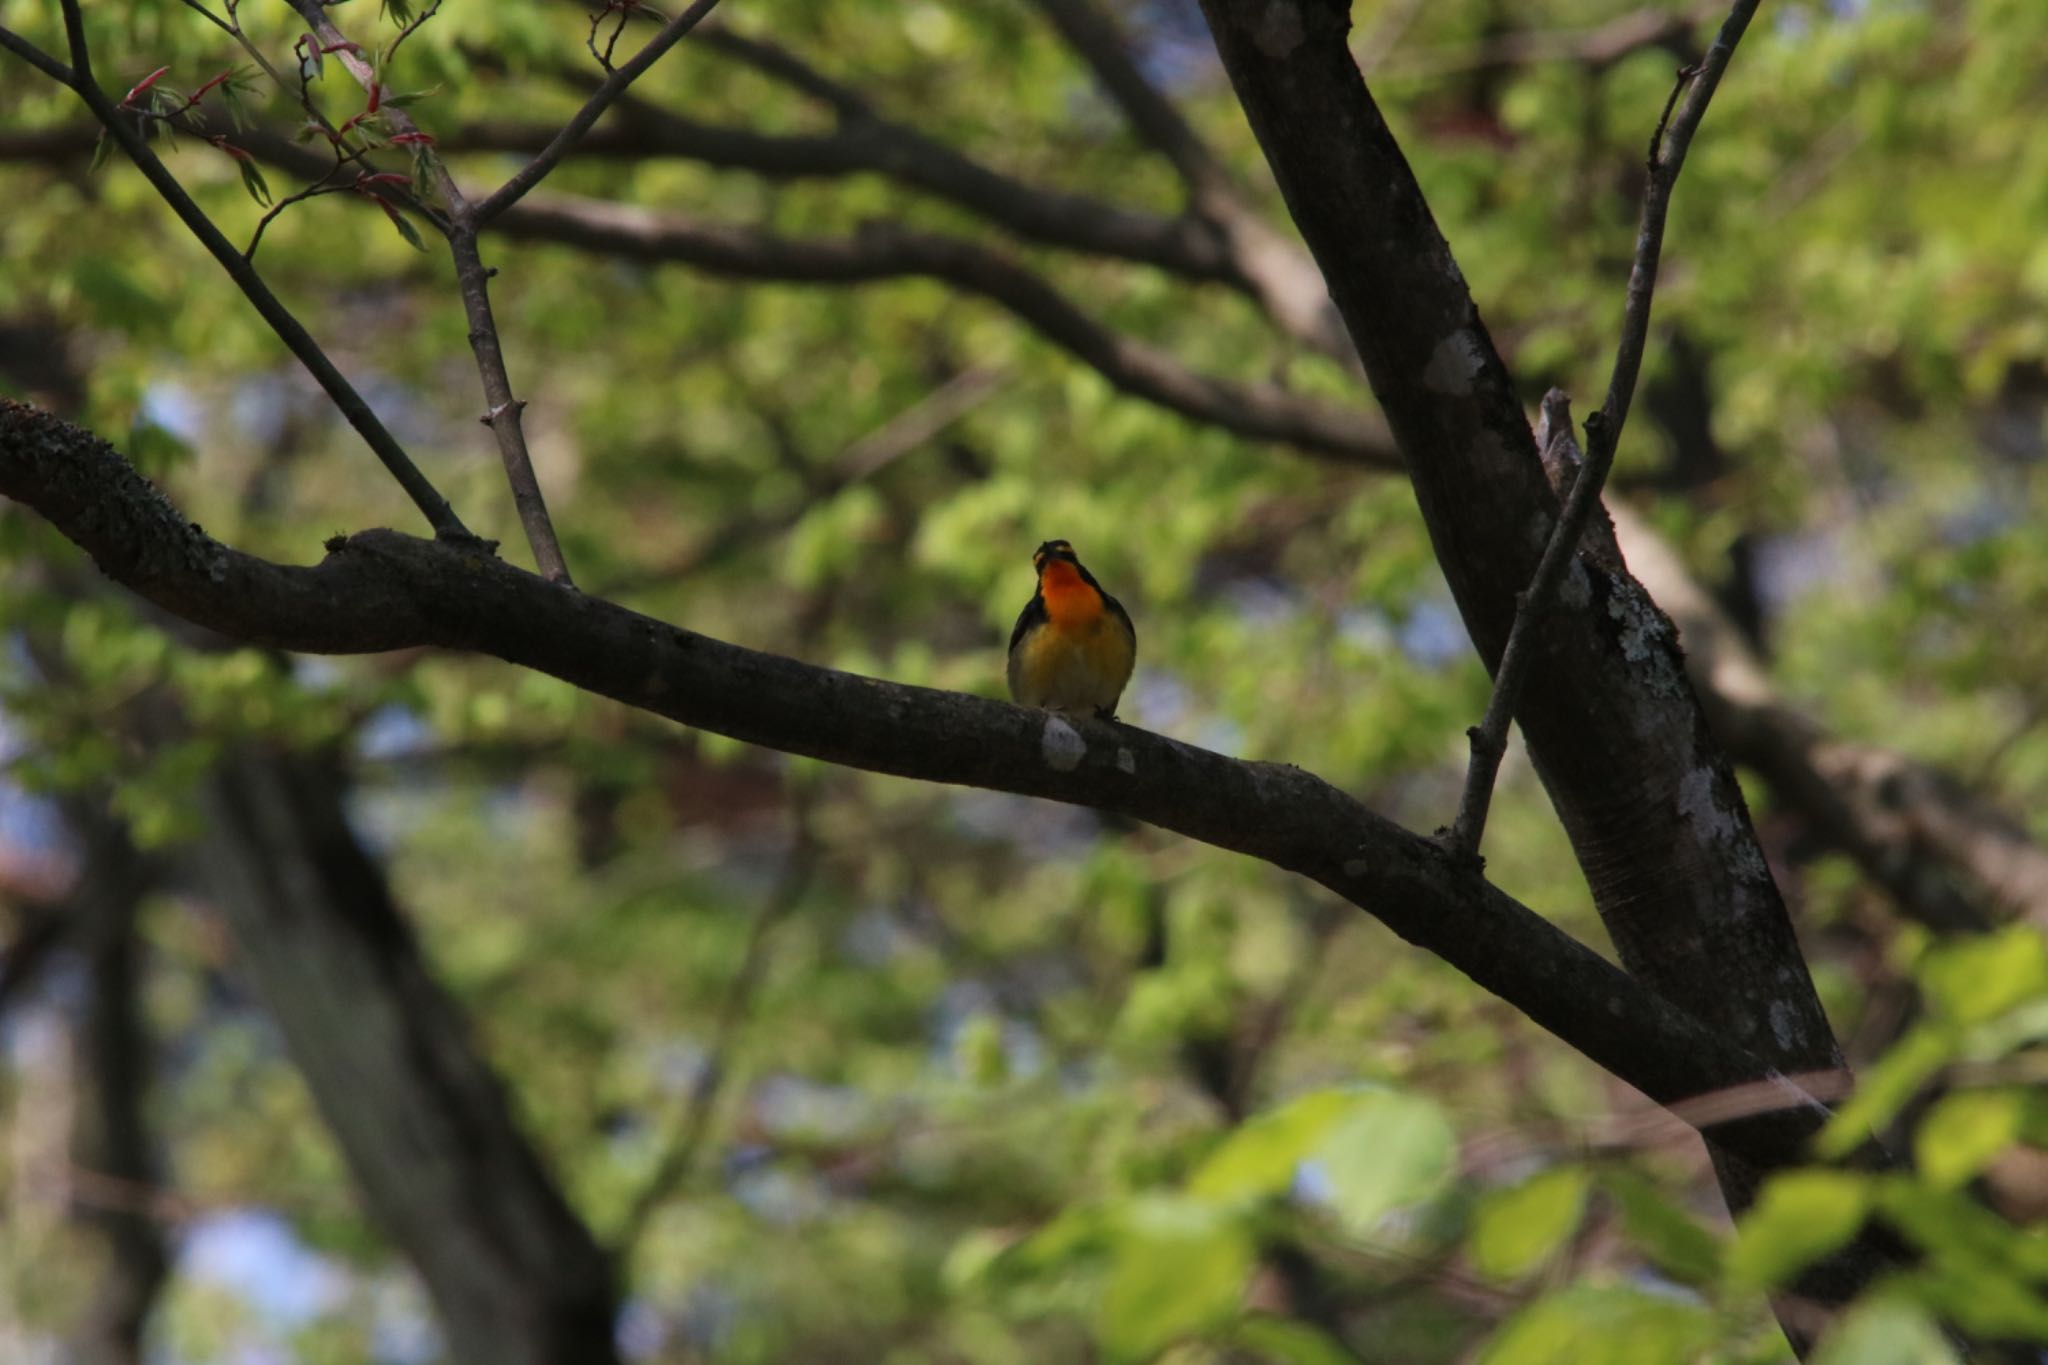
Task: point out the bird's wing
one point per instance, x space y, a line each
1117 609
1032 615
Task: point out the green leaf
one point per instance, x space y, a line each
1884 1088
102 145
978 1050
1963 1132
1289 1341
252 181
1388 1151
1673 1239
1802 1216
1259 1159
1975 979
1178 1268
1885 1332
406 230
1601 1325
1955 1229
1517 1230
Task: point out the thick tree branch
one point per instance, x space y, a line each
1912 829
381 591
123 130
1646 796
881 251
110 1138
425 1125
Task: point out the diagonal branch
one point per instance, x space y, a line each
1668 146
881 251
503 415
289 330
1276 272
380 591
601 99
1095 38
1912 828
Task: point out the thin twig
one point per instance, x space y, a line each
534 171
78 77
503 408
686 1138
417 22
623 10
1668 146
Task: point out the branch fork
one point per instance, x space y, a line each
1668 145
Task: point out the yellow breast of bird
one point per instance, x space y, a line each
1075 665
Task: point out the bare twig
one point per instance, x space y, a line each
412 26
618 9
534 171
1668 146
78 77
503 406
324 185
679 1156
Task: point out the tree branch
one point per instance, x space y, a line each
110 1135
380 590
1272 266
1644 793
601 99
1910 827
79 79
503 413
881 251
434 1145
1666 160
1094 38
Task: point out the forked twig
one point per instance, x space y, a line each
1668 146
78 78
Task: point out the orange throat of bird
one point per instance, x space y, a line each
1069 599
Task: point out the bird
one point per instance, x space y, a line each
1074 644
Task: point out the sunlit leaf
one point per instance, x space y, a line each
1389 1150
1885 1331
1800 1217
1516 1230
1601 1325
1260 1156
1980 978
1679 1244
1178 1267
1963 1132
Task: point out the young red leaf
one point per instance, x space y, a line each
143 85
201 92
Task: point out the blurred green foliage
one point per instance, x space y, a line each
1011 1085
